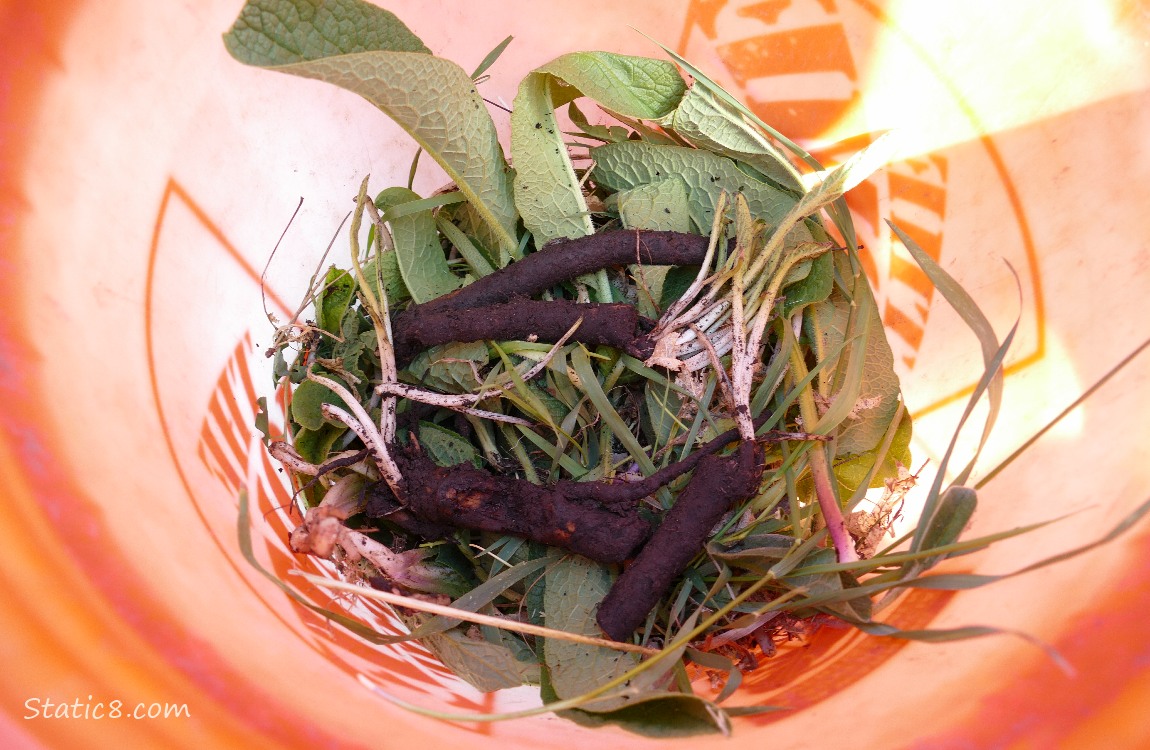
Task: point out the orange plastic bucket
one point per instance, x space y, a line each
145 176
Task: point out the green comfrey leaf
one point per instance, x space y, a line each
307 401
878 393
574 588
386 269
450 367
281 32
660 205
825 324
555 408
710 123
814 287
661 715
676 283
547 191
625 166
483 594
418 253
333 300
654 713
366 50
447 448
852 471
817 584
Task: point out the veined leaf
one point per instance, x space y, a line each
625 166
852 472
660 715
366 50
574 586
877 396
709 122
484 665
547 191
280 32
660 205
838 210
445 447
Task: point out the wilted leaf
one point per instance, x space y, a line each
334 298
450 367
660 715
756 552
606 133
852 471
484 665
432 99
547 192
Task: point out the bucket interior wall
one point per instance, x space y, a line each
145 177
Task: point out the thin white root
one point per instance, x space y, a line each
288 456
371 438
464 401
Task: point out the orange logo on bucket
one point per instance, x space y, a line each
801 66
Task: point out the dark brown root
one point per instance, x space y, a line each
438 500
465 497
563 260
718 483
496 307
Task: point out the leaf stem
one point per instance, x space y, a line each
820 471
